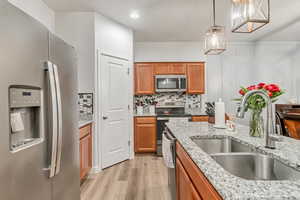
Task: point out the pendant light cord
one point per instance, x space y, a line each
214 12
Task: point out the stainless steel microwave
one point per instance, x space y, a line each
170 83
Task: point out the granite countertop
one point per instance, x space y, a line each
82 123
145 114
195 112
229 186
190 111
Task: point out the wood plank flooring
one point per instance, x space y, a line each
143 178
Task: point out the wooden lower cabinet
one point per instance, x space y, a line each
293 128
191 182
200 118
86 145
185 187
144 134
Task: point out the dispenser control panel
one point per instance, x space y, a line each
25 97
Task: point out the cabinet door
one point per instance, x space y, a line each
144 78
195 195
200 118
85 155
200 183
185 188
177 68
170 68
161 68
145 137
196 78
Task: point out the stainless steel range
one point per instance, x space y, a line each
164 114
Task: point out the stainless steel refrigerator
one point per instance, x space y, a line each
39 144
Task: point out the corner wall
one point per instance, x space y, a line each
77 29
38 10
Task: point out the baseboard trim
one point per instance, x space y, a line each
95 170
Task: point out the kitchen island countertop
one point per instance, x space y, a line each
231 187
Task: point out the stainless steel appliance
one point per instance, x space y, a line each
170 83
39 145
171 170
164 114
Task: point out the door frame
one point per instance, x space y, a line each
98 126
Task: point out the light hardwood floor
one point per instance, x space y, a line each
143 178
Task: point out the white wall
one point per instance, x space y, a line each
168 51
112 38
278 62
77 29
38 10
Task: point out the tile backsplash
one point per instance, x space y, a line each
85 104
192 101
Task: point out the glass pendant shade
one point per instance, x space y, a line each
215 41
249 15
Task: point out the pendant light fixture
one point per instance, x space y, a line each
249 15
215 41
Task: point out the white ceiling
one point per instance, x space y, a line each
186 20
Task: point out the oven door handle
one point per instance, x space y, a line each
169 136
163 119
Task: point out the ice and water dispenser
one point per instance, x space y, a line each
26 117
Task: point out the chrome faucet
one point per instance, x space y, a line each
270 137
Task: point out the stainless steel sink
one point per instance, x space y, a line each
255 166
222 145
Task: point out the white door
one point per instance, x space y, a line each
115 111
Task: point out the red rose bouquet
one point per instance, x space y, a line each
256 103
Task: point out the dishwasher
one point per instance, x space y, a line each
169 156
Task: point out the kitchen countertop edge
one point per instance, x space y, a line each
84 123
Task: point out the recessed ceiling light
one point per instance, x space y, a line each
134 15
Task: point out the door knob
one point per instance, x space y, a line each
104 117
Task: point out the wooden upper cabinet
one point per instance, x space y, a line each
145 134
145 82
170 68
161 68
177 68
195 78
144 78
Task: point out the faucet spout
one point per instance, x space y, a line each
270 129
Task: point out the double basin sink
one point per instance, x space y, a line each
245 162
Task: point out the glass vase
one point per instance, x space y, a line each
256 124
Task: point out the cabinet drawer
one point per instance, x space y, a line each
203 186
200 118
145 120
84 131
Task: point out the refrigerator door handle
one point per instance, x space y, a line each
59 115
49 67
